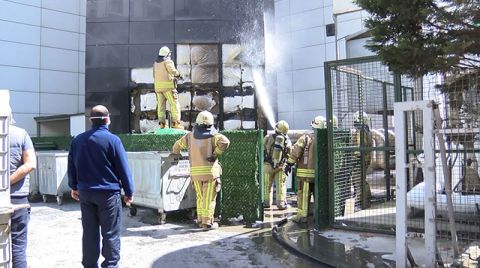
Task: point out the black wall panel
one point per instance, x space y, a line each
126 34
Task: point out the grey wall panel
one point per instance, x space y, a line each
107 33
14 54
60 39
107 56
9 11
21 33
61 21
230 32
144 55
108 10
64 6
151 10
19 79
58 82
64 103
196 9
197 31
152 32
106 79
59 59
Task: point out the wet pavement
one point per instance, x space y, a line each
55 241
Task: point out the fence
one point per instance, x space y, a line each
362 156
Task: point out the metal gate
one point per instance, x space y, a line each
360 97
361 136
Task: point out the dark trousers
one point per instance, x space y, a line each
101 213
20 219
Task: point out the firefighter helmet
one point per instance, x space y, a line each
204 118
360 120
164 51
281 127
319 122
335 122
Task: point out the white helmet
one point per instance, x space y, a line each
358 120
164 51
319 122
204 118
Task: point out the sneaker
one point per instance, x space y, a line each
266 205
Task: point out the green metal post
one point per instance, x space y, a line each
330 152
260 170
322 206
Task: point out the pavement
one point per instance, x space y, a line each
55 241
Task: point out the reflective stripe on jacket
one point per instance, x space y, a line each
164 74
199 150
303 154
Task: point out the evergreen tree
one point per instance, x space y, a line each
416 37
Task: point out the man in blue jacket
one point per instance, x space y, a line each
97 170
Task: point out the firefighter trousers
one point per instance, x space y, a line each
171 96
277 175
305 190
206 192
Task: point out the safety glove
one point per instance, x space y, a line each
211 159
288 168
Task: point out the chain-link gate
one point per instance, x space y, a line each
361 138
360 101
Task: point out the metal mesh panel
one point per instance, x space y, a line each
362 97
457 96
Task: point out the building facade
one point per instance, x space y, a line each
42 62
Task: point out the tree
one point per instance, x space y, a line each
417 37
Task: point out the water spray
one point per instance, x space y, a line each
262 96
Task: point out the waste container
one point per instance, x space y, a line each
161 183
52 174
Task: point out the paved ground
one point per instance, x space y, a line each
55 241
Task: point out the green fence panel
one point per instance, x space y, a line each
242 175
52 143
149 142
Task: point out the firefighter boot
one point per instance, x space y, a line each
177 125
161 124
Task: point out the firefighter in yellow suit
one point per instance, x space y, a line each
276 147
164 75
361 131
204 145
303 155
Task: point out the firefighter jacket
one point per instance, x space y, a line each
201 147
164 74
269 144
303 154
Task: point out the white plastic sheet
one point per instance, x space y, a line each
183 54
148 102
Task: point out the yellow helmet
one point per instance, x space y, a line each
164 51
204 118
281 127
319 122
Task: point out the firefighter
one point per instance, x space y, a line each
303 155
165 75
276 147
204 145
361 129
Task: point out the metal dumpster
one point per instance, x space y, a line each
161 183
52 174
